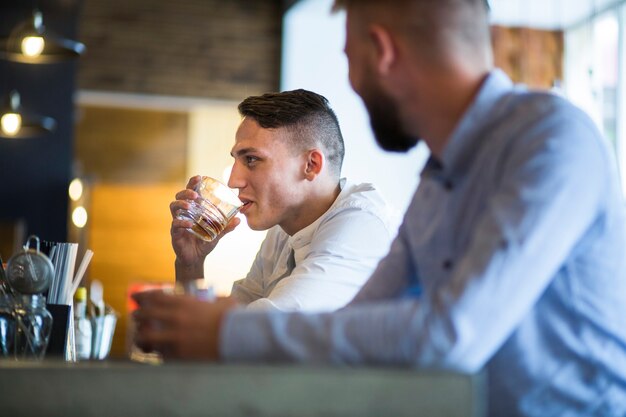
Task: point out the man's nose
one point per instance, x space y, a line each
236 179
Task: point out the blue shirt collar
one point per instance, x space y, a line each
486 106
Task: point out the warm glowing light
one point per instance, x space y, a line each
11 123
76 189
79 217
32 46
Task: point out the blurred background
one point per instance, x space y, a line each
153 101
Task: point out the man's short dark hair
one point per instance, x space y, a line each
308 117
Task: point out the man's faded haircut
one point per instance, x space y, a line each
306 115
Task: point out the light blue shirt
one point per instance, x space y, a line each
511 257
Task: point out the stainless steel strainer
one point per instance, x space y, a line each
30 271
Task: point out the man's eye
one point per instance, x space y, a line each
250 160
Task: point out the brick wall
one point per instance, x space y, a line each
197 48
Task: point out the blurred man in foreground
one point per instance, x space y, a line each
510 256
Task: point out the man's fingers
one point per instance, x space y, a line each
156 339
186 195
150 316
181 224
234 222
177 205
154 298
193 181
179 326
183 197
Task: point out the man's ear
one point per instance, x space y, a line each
315 162
386 50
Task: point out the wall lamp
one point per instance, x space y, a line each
30 43
15 123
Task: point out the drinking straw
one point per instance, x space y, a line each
68 283
81 271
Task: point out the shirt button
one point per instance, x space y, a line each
447 264
448 185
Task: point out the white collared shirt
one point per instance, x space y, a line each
333 256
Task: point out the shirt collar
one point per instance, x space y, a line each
303 237
486 107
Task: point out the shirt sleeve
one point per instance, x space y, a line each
342 254
549 194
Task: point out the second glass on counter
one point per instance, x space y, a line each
198 288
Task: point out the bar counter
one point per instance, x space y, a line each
86 389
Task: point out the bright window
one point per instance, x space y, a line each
594 76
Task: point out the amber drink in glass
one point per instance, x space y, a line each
215 206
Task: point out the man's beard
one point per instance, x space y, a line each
385 122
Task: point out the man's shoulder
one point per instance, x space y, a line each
541 105
546 117
359 195
361 199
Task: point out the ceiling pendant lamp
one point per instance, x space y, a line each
30 43
15 123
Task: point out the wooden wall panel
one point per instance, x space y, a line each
529 56
130 145
129 234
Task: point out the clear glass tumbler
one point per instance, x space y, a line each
215 206
7 327
197 288
33 324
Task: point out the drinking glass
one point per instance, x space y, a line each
215 206
7 326
134 352
197 288
33 325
